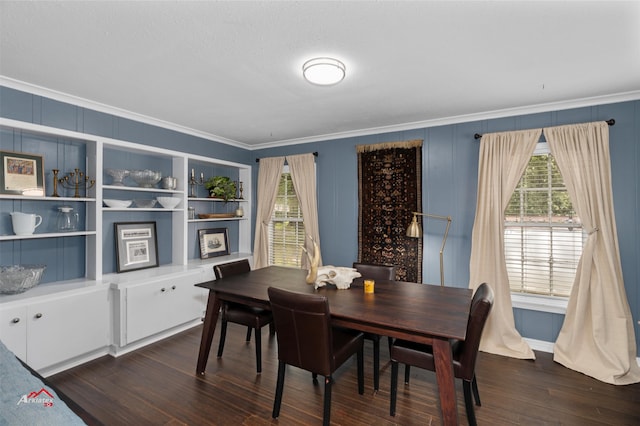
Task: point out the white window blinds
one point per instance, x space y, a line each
286 229
543 237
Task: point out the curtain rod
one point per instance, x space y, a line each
315 154
610 122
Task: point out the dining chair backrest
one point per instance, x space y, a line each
303 329
481 305
375 271
231 268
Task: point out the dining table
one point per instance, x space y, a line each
423 313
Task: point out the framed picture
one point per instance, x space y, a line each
136 245
22 174
213 242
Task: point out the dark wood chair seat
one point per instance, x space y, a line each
252 318
307 340
464 354
376 272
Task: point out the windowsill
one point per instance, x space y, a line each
532 302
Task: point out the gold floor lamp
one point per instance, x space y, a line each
415 231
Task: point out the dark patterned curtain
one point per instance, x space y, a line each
389 189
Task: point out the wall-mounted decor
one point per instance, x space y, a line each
389 191
136 245
213 242
22 174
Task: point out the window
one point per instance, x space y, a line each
286 229
543 237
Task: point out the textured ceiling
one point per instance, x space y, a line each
232 70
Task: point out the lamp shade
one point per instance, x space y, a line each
323 71
414 230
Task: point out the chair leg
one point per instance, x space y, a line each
258 350
248 338
360 358
272 329
376 364
474 387
223 336
394 388
390 341
326 415
279 387
468 403
314 377
407 373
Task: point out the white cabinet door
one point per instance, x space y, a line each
66 327
161 305
13 330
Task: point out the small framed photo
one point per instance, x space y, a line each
136 245
22 174
213 242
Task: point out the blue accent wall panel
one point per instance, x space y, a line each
450 167
450 161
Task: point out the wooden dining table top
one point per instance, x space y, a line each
421 313
396 308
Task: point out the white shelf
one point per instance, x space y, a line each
150 209
141 189
218 219
26 197
46 235
218 200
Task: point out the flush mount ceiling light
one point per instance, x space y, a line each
323 71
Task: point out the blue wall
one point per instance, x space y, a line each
450 164
450 168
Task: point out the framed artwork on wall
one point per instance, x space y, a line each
136 245
22 174
213 242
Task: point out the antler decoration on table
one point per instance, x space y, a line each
319 276
314 261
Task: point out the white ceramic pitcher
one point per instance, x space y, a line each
25 223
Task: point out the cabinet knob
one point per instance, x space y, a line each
163 289
38 315
15 320
173 287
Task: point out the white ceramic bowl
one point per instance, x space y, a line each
145 203
120 204
168 202
19 278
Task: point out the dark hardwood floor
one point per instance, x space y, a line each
157 385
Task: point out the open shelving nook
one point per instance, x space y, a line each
139 306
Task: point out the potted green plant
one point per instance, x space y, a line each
221 187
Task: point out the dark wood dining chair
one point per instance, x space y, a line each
376 272
307 340
464 352
252 318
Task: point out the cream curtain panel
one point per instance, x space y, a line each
597 337
503 159
303 174
268 178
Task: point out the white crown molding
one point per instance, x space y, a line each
508 112
107 109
